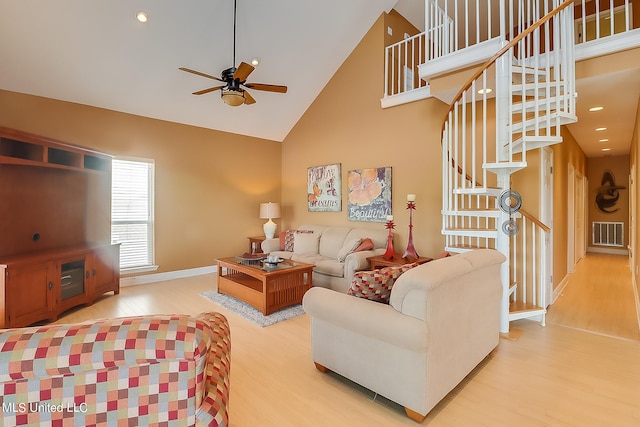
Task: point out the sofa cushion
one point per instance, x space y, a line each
376 285
349 246
333 238
306 243
328 266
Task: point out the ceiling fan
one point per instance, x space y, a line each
233 92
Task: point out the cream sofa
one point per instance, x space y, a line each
443 318
323 247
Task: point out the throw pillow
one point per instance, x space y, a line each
348 247
366 245
376 285
282 236
289 238
306 243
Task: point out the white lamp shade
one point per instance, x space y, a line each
269 210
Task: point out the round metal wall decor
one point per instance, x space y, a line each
509 201
510 227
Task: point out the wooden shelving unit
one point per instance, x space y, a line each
55 210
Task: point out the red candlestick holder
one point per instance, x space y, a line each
389 254
411 253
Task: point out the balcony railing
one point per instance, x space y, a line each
453 26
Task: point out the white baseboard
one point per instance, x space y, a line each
608 251
169 275
558 289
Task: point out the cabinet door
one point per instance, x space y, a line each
104 270
30 294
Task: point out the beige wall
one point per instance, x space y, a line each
209 184
346 125
563 155
619 167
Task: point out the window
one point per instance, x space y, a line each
132 212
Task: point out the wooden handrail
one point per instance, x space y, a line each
501 52
535 220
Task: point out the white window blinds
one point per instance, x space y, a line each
132 212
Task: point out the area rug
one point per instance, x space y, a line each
250 313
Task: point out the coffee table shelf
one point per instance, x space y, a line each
266 289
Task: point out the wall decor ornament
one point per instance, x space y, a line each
324 185
369 194
607 194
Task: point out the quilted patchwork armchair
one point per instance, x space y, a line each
147 370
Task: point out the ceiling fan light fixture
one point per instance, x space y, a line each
233 98
255 62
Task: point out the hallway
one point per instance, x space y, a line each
599 298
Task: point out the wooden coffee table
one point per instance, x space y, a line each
264 288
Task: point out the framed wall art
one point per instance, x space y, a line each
324 185
369 196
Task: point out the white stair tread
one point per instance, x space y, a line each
461 248
534 142
529 124
485 213
486 191
471 232
530 105
505 167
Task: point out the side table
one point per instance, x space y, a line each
378 261
254 244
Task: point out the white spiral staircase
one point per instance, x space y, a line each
515 103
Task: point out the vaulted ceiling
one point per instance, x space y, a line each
97 53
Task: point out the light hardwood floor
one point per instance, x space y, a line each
550 376
599 297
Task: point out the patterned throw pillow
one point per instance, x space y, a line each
376 285
289 238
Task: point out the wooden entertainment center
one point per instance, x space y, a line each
55 228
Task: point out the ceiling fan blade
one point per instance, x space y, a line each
248 99
243 71
268 88
211 89
200 74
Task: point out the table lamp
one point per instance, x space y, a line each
269 211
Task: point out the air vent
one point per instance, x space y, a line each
608 234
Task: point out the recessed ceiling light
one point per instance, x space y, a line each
142 16
483 91
600 129
606 149
599 108
604 140
255 62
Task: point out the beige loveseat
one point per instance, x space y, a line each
443 318
326 246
